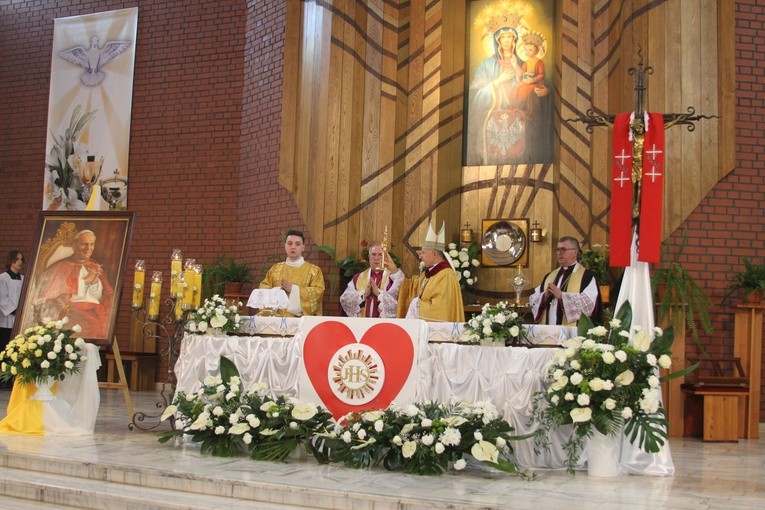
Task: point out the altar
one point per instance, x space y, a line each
448 371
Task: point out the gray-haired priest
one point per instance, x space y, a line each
434 294
374 291
568 292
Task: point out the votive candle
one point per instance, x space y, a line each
188 288
176 262
138 280
197 285
156 294
179 298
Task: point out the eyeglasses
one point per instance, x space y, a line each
563 250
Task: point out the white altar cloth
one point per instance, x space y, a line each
537 334
449 372
506 376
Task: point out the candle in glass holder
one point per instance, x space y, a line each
156 294
179 297
138 280
197 285
176 261
188 289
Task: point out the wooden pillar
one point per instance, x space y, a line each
747 345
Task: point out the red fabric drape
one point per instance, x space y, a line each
621 193
653 190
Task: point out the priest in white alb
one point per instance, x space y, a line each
374 291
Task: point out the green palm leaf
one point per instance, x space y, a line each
648 431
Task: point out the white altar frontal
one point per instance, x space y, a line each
446 370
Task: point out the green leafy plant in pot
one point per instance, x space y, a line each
229 275
676 290
750 282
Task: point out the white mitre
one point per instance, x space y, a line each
437 242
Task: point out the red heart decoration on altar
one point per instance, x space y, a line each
391 342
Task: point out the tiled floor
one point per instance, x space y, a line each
708 475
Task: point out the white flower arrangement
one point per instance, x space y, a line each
43 351
498 323
466 263
214 314
600 381
228 418
424 438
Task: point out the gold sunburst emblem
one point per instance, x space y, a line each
355 375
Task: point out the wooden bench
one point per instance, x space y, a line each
712 402
141 367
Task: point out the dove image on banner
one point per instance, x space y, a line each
89 108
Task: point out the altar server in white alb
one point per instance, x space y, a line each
374 291
567 292
10 290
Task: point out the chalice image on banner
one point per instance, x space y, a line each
89 170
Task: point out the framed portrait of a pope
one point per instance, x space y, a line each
75 271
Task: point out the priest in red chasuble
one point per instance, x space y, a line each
433 295
374 291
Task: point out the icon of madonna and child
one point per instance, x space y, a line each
509 119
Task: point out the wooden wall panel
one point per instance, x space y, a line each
380 137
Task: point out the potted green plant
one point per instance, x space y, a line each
750 282
229 275
676 289
595 259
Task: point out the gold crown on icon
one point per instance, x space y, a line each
534 38
500 21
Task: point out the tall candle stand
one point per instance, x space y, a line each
166 329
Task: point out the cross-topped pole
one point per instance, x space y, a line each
637 125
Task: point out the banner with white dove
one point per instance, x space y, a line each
91 93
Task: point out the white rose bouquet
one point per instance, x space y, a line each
498 323
214 314
46 350
599 381
466 263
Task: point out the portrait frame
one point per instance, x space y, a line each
55 251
